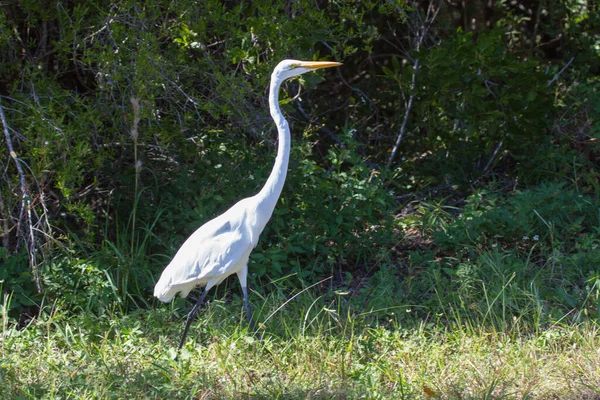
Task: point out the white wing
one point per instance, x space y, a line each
216 250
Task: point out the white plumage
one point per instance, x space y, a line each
221 246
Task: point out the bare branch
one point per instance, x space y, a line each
25 210
560 72
489 163
420 34
406 114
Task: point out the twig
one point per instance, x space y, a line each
323 129
25 203
420 32
331 134
536 26
426 190
5 226
406 114
362 94
560 72
134 133
489 163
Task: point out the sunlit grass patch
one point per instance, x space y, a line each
133 356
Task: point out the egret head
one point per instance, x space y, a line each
290 68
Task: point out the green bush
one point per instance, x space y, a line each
327 218
136 123
80 285
547 216
479 107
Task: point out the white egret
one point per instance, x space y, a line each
221 246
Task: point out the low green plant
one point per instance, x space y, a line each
17 284
80 285
546 217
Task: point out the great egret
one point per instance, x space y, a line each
221 246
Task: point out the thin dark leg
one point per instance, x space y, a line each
247 306
191 316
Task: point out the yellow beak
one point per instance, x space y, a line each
318 64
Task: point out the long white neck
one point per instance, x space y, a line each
269 194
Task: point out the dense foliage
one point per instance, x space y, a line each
454 154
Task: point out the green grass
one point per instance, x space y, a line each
308 350
499 302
